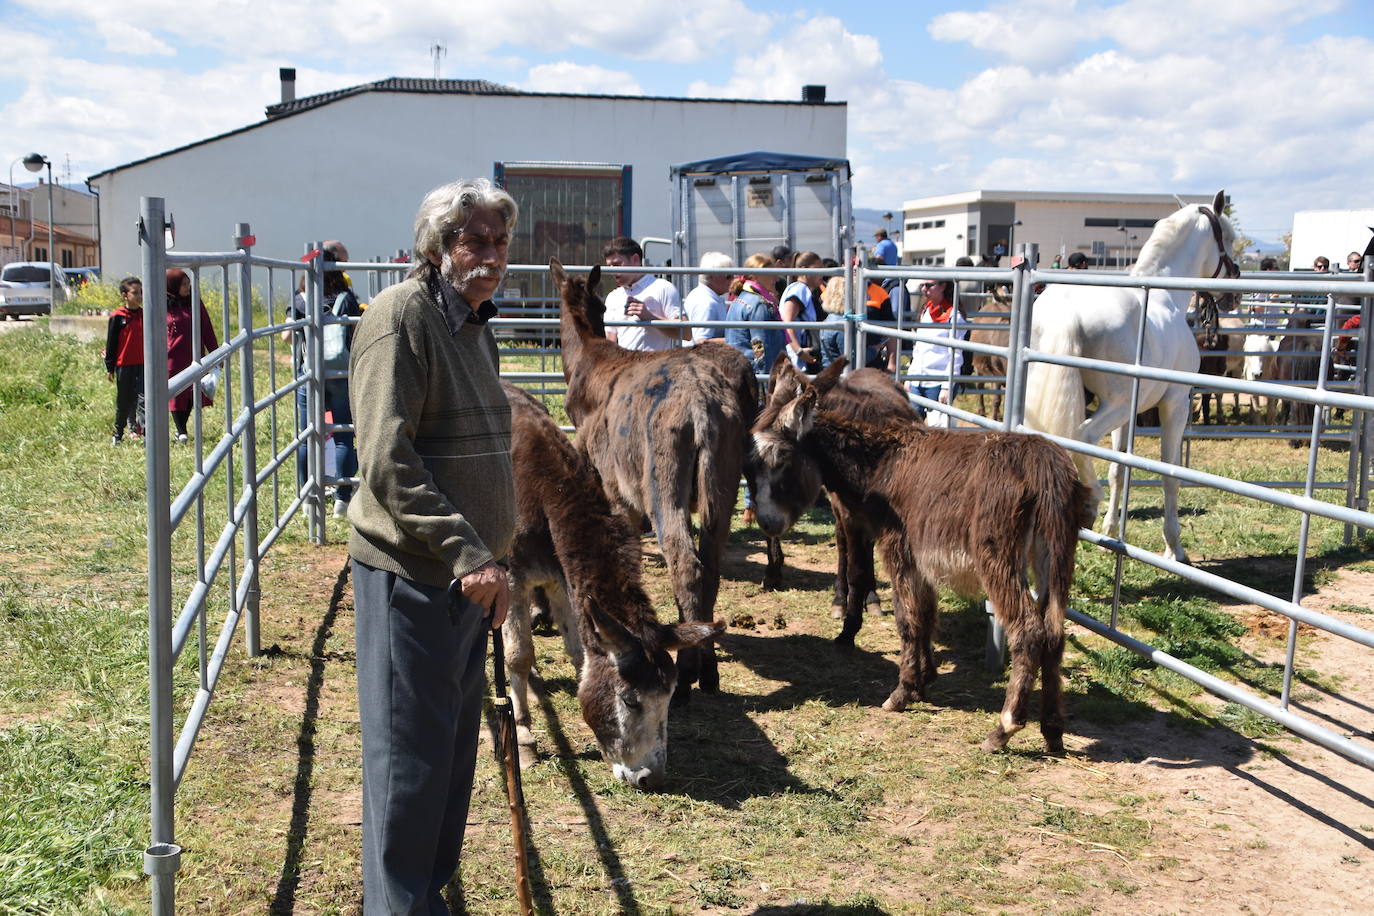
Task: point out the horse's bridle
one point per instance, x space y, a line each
1209 309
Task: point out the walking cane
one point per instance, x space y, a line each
507 753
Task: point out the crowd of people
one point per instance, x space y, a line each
803 296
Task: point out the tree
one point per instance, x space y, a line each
1242 241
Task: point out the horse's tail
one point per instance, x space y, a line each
1054 394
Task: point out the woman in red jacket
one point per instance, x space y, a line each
180 343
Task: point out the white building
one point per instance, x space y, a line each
353 164
1108 228
1333 233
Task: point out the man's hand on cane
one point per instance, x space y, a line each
487 587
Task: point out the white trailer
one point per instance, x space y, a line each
752 202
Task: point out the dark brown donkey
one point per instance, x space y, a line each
872 396
586 557
667 432
969 509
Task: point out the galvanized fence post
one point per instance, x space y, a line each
1014 412
1018 338
162 858
853 278
243 240
314 285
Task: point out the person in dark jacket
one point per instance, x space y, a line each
181 328
124 359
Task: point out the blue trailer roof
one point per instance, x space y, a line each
761 161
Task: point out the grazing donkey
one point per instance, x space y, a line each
872 396
667 432
965 508
586 558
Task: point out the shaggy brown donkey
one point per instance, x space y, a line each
586 557
667 432
969 509
872 396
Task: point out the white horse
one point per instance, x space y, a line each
1102 323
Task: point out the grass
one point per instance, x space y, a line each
790 792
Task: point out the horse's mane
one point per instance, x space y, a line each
1167 234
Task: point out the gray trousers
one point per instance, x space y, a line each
421 681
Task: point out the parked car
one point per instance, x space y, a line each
78 277
25 290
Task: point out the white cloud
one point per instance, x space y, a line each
569 77
644 30
131 41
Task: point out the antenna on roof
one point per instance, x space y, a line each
437 50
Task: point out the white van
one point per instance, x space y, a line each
25 288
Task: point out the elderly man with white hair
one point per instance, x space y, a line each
707 301
435 505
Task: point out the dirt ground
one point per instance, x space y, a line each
1236 825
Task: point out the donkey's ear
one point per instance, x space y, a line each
686 635
795 418
784 381
594 278
612 635
560 276
829 376
1218 202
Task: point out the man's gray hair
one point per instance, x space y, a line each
716 260
447 208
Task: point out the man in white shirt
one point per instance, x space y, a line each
707 301
639 297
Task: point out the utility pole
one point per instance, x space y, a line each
437 51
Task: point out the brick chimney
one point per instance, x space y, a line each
288 84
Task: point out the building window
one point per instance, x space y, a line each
939 224
1113 223
67 259
40 254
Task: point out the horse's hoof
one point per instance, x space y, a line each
1054 741
528 756
874 605
845 642
837 612
681 696
709 681
772 583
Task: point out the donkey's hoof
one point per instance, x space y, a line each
772 583
874 605
1054 740
898 701
682 696
845 642
528 756
837 612
709 682
995 741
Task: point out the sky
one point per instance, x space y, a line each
1268 99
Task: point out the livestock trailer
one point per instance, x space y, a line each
751 202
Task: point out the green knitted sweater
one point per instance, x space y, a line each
436 498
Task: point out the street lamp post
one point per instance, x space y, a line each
1125 246
34 162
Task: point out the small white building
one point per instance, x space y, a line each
353 164
1332 233
1108 228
